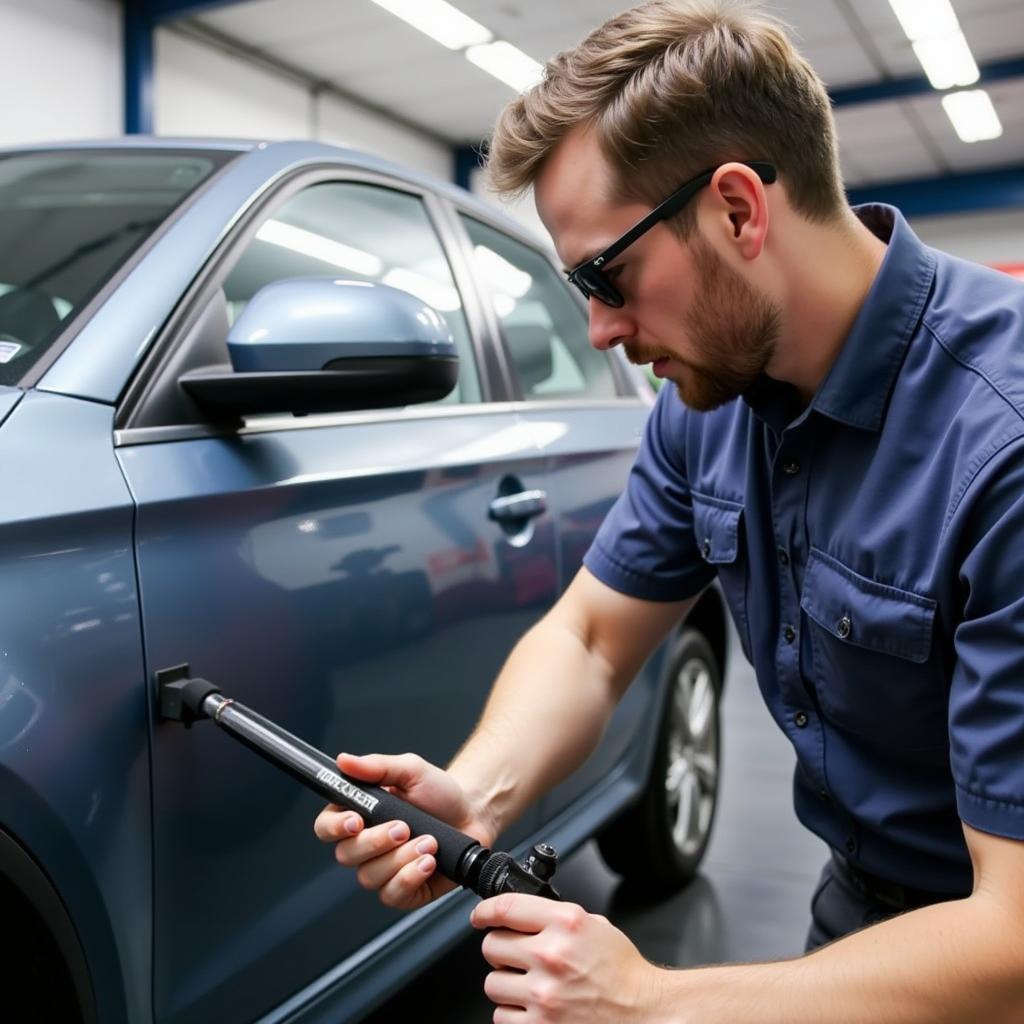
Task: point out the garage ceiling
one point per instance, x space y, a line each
370 54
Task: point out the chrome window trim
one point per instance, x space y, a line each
132 436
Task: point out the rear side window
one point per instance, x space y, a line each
545 330
364 233
68 221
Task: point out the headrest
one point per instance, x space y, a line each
27 315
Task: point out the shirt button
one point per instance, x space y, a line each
783 556
851 844
791 468
705 548
789 634
823 795
800 719
844 627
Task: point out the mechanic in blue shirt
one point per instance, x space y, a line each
847 457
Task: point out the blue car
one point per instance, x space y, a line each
331 434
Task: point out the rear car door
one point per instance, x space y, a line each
340 574
586 411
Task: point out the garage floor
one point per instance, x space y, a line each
749 903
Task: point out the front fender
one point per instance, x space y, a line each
74 754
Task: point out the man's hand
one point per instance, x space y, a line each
555 962
400 869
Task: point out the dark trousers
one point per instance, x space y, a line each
847 899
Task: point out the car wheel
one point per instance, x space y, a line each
657 844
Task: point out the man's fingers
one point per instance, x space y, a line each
524 913
510 1015
371 842
334 823
402 770
507 988
409 889
374 874
503 948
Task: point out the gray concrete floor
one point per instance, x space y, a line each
750 901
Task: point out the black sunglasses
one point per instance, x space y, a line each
589 276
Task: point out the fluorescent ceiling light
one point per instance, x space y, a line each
439 20
508 63
501 274
947 60
308 243
504 305
923 18
434 293
973 116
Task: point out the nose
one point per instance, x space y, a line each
609 326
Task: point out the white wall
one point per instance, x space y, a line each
984 237
521 210
62 77
346 124
200 90
60 70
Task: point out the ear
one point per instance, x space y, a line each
740 208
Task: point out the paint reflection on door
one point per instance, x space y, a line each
347 583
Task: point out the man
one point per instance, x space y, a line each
848 457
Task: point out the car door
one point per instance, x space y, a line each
340 574
585 413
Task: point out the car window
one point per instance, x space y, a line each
68 221
364 233
545 330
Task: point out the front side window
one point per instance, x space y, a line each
545 330
363 233
68 221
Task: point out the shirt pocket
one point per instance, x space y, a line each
718 529
874 669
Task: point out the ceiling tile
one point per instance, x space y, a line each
369 53
1008 99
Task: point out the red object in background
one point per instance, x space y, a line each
1013 269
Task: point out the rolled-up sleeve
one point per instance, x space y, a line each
646 546
986 708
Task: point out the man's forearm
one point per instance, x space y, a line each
545 715
954 963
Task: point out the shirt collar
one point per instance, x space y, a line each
856 389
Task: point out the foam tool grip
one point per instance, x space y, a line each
460 857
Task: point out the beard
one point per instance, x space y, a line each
735 328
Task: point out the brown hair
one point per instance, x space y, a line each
673 88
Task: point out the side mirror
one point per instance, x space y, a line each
307 345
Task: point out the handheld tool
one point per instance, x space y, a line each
460 857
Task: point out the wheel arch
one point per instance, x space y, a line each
709 615
41 900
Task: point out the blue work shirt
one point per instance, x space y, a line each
870 547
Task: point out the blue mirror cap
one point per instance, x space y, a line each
306 323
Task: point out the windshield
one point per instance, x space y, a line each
68 221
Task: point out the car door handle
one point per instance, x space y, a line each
524 505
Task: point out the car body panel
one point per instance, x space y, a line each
74 748
9 398
347 583
589 450
341 574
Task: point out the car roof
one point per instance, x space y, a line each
98 362
291 152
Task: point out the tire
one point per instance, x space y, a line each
658 843
36 985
